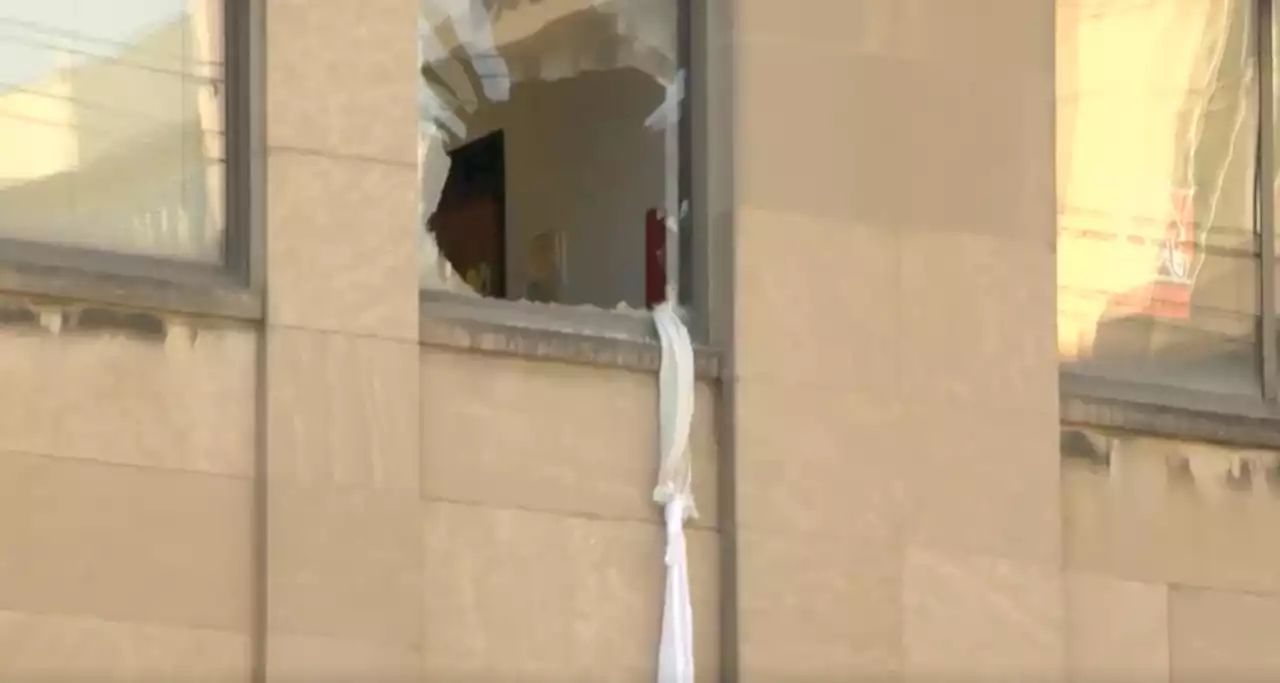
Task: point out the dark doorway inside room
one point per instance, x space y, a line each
469 223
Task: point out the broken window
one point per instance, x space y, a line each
112 132
552 150
1160 236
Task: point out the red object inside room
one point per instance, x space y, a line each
655 258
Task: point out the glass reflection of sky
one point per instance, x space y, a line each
36 36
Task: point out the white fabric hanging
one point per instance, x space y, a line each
675 491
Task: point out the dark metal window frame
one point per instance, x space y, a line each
231 289
1191 414
627 338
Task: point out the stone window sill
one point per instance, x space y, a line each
120 281
570 334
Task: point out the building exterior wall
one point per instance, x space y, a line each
127 509
906 386
322 495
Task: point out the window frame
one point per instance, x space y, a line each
1171 411
627 339
231 288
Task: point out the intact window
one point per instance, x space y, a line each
1159 233
553 150
113 132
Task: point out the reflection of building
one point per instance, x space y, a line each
1157 102
119 147
335 476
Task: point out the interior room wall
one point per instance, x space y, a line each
580 160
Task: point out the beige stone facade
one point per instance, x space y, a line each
327 495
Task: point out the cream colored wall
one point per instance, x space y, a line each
544 550
433 511
344 551
1171 562
902 511
126 503
896 397
129 462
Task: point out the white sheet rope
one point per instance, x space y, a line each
675 491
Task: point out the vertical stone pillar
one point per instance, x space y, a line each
895 384
343 520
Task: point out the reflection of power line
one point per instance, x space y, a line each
1098 10
108 58
52 123
83 37
48 123
6 88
